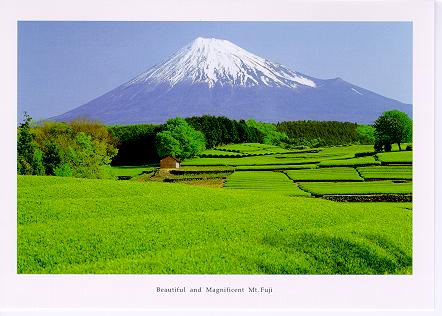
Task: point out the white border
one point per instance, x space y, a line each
302 293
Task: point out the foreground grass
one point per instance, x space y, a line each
68 225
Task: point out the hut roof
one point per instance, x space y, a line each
176 159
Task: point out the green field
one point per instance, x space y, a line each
129 171
374 187
274 167
68 225
405 157
267 181
331 156
250 161
386 172
362 161
325 174
257 214
244 150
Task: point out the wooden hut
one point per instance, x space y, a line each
169 162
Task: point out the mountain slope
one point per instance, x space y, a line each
211 76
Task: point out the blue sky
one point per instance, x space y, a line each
62 65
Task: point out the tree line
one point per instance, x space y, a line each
325 133
81 147
77 149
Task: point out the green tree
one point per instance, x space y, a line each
392 127
179 139
52 158
366 133
29 156
78 149
271 134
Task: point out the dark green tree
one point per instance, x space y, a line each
52 158
136 144
179 139
329 132
392 127
244 133
29 156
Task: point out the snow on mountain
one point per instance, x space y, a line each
214 61
217 77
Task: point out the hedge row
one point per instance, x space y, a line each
370 198
184 171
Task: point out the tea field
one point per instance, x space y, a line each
265 181
325 174
384 173
251 209
378 187
403 157
68 225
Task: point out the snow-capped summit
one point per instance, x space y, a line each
216 77
215 61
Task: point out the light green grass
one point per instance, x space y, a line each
396 157
191 176
263 181
343 152
386 172
284 157
219 153
68 225
362 161
205 168
325 174
275 167
375 187
249 161
129 171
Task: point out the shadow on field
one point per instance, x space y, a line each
316 253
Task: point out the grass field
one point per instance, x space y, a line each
218 153
129 171
284 157
68 225
386 172
375 187
325 174
405 157
250 161
225 215
263 181
362 161
274 167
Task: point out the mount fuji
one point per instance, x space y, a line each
217 77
